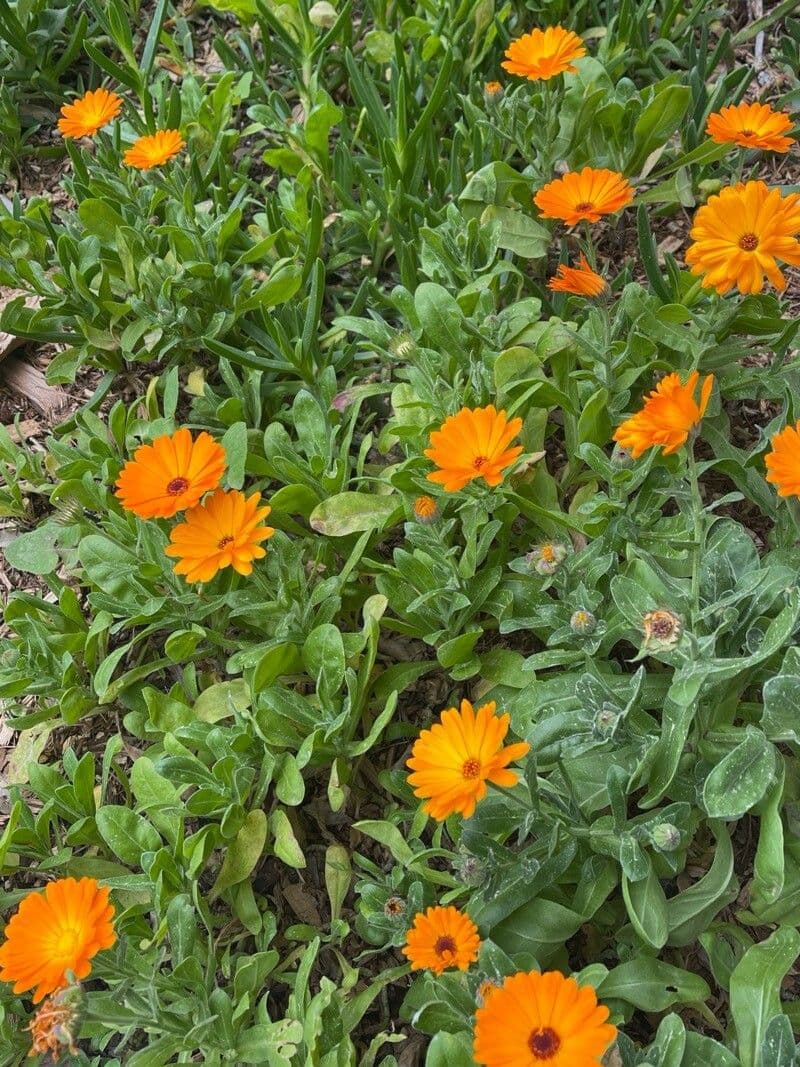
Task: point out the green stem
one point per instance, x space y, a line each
696 504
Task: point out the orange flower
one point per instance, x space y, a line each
170 475
542 54
751 126
155 149
493 89
442 938
783 462
585 194
741 233
56 932
669 415
453 761
223 531
473 444
84 117
542 1020
580 280
426 510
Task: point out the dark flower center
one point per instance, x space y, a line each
544 1043
747 133
479 461
471 768
444 944
748 242
585 205
225 541
178 486
662 624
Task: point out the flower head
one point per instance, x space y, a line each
541 1020
55 1025
154 150
223 531
669 415
662 629
394 908
546 558
751 126
84 117
56 933
783 462
453 761
739 236
426 510
170 474
473 444
442 938
585 194
580 280
492 91
582 622
541 54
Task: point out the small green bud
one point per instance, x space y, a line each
666 837
621 457
582 622
470 870
322 14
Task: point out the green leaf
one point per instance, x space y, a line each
778 1047
450 1050
388 835
518 232
243 854
755 989
652 985
739 781
127 834
34 552
222 699
440 317
647 908
348 513
285 845
690 912
338 876
234 441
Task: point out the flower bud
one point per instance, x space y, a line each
342 400
394 908
582 622
709 187
662 630
492 93
605 721
426 510
666 837
322 14
621 457
470 870
402 345
546 559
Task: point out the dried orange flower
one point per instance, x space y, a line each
56 932
84 117
442 938
55 1025
541 54
221 532
473 444
426 510
171 474
453 761
739 235
542 1020
155 149
751 126
669 415
783 462
662 629
580 280
585 194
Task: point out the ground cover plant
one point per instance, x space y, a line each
401 643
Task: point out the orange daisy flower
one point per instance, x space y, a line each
740 234
56 932
669 415
453 761
586 194
473 444
221 532
442 938
155 149
783 462
580 280
171 474
751 126
84 117
542 1020
542 54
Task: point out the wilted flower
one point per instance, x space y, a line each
666 837
605 721
342 400
442 938
547 558
662 630
582 622
470 870
402 345
55 1025
580 280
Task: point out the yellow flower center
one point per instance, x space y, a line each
548 553
224 542
748 242
68 942
177 486
445 945
471 768
585 205
479 461
544 1043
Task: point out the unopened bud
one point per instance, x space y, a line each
470 870
621 457
492 92
666 837
605 722
402 345
322 14
582 622
709 187
426 510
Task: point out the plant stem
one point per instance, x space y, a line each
696 503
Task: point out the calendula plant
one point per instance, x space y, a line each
400 639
